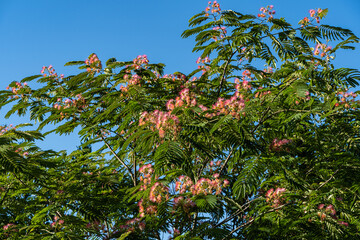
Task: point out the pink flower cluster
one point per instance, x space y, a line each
213 7
269 70
50 72
140 61
103 133
21 152
132 225
93 64
343 223
278 145
146 208
261 94
206 186
222 31
78 102
329 210
185 99
57 221
204 68
233 106
346 99
161 121
4 129
245 84
244 53
183 184
19 89
145 175
275 197
9 226
315 14
202 186
136 79
347 94
267 12
214 165
322 49
176 77
166 121
307 98
133 79
304 22
203 60
158 193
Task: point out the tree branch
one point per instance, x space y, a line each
252 220
223 74
241 209
121 161
331 177
226 161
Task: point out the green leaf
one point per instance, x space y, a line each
72 63
124 235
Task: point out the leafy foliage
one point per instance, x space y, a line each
232 150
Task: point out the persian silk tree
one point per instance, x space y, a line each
261 141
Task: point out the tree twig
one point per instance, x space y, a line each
241 209
223 74
119 159
331 177
226 161
252 220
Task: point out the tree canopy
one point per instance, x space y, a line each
261 141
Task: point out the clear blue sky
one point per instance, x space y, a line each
38 32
